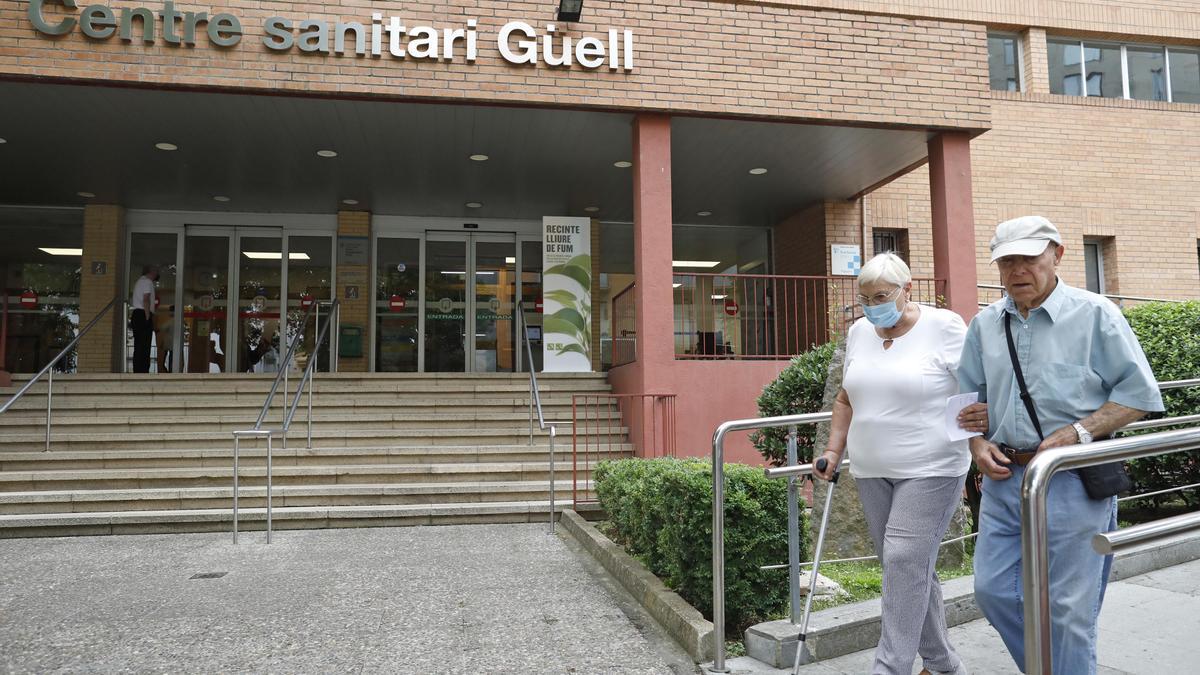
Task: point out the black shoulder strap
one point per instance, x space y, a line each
1025 397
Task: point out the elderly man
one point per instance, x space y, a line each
1086 376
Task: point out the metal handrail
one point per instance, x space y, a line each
1130 538
718 529
283 370
1034 545
307 378
535 402
49 368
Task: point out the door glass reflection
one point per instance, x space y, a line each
445 306
495 302
205 303
260 342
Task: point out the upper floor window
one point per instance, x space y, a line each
1004 62
1132 71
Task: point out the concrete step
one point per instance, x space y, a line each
324 436
283 518
296 455
403 419
91 501
216 476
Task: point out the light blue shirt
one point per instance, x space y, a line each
1077 353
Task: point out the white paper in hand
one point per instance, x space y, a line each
954 405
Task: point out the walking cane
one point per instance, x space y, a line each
801 648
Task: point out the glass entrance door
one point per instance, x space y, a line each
205 315
469 303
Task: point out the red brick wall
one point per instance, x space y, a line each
691 56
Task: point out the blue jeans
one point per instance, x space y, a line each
1078 575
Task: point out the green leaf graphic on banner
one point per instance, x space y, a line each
578 268
564 298
572 348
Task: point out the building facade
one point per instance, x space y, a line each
735 161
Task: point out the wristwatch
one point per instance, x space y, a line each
1085 436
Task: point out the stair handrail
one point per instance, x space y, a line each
535 402
49 368
331 319
281 374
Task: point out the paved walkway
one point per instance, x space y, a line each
1150 624
455 599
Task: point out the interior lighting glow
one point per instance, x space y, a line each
86 195
326 153
703 264
273 255
622 164
479 158
758 171
169 147
61 251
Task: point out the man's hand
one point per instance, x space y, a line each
1061 438
991 462
974 418
834 460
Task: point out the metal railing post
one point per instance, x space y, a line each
283 408
311 377
269 500
553 487
236 446
49 398
793 494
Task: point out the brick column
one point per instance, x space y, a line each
351 280
653 294
595 242
103 242
953 221
1035 65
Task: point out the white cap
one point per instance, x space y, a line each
1027 235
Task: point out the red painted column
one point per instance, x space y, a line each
652 250
953 221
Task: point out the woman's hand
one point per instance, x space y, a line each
974 418
833 459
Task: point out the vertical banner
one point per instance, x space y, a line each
567 294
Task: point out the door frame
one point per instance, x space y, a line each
235 225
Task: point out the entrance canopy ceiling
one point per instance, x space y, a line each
261 152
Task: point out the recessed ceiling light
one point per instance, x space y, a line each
3 141
351 202
474 205
704 214
676 285
166 146
622 164
757 172
479 158
86 195
703 264
326 153
591 209
61 251
718 297
220 198
510 260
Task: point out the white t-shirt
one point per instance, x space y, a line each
143 286
898 397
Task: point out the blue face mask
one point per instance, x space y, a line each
884 316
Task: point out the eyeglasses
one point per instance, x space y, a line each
879 298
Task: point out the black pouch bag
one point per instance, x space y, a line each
1100 481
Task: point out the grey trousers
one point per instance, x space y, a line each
907 519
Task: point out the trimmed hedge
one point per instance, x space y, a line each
662 512
800 388
1170 336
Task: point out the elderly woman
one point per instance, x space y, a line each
900 368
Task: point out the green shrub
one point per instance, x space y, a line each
662 511
1170 335
800 388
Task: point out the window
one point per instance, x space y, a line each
1185 75
1147 73
1093 264
1102 65
895 241
1065 74
1131 71
1004 62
